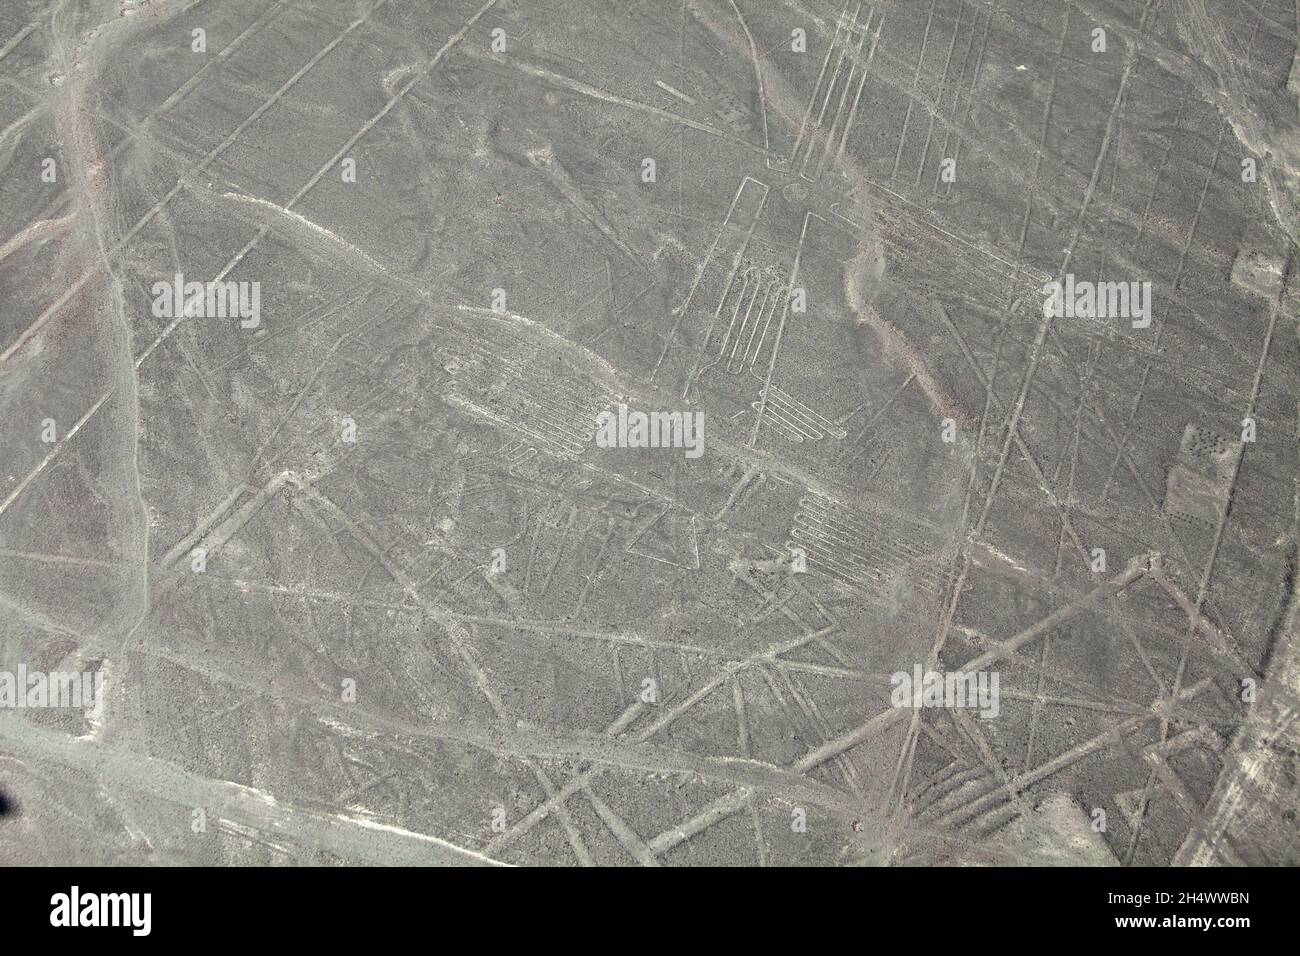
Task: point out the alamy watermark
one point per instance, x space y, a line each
1098 300
133 911
23 689
624 429
921 688
173 298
